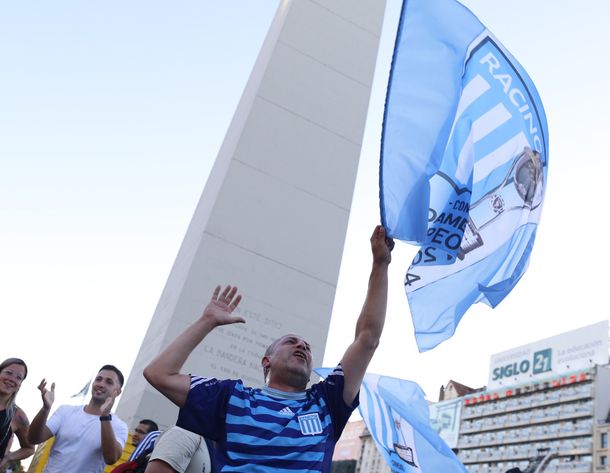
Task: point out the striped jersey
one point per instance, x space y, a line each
147 443
266 430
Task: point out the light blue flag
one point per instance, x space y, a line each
396 414
463 167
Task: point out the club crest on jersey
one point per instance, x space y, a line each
310 424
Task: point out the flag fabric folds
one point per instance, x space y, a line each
463 168
395 412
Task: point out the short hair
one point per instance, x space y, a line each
116 370
152 425
271 348
268 352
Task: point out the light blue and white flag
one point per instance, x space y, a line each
464 158
396 414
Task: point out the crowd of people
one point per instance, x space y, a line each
222 425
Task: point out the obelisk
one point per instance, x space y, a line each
273 215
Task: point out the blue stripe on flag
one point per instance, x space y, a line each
396 414
463 168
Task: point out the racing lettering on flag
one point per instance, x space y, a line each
464 162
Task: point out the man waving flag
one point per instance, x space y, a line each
464 159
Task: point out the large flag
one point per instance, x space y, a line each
396 414
463 168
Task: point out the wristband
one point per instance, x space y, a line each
108 417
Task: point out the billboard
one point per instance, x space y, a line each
576 350
445 420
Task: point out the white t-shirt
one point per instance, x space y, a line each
78 441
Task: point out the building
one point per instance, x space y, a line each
454 390
549 398
504 429
349 445
370 460
348 448
601 453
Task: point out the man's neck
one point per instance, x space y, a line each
93 408
278 393
284 386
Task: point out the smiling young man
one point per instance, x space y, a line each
282 426
86 437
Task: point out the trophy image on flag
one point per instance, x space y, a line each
401 449
526 192
463 164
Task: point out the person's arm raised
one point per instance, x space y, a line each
38 431
164 371
111 448
372 317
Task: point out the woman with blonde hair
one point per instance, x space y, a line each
12 418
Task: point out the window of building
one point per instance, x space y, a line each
603 440
603 460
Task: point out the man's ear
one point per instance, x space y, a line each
265 362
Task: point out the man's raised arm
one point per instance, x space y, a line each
372 317
111 448
164 371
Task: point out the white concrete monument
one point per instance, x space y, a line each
273 215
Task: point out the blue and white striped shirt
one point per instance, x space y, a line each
265 430
147 443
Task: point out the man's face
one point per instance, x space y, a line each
139 433
105 385
292 354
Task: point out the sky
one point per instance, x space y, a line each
111 115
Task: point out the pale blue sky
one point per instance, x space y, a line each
111 114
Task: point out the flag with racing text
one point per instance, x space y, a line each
464 159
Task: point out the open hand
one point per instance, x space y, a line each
222 305
106 406
48 397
